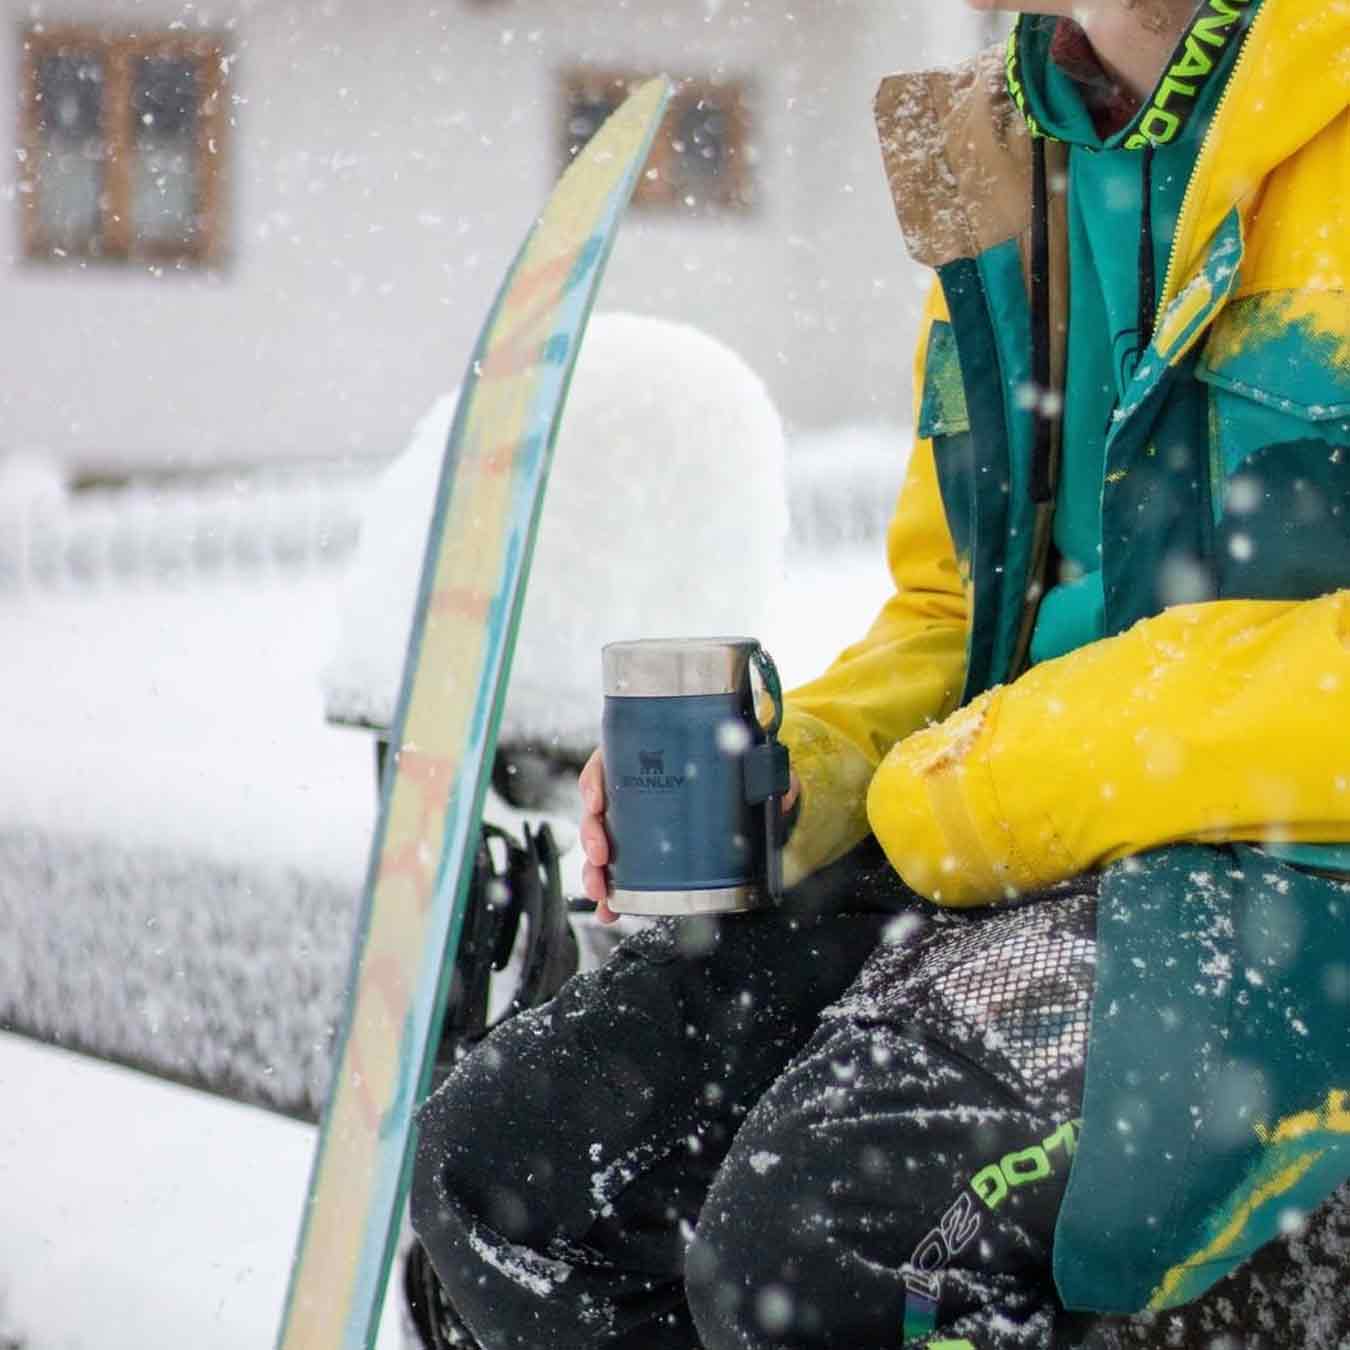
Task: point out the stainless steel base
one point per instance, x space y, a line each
726 900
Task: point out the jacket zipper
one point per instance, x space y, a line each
1243 49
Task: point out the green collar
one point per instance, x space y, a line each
1049 100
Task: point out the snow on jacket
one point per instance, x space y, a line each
1217 721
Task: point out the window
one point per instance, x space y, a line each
702 159
121 145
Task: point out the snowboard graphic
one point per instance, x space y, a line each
444 734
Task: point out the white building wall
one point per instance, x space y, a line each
384 162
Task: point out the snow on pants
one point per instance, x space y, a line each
786 1129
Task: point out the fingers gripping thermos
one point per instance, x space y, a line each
693 779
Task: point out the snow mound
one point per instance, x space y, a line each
666 516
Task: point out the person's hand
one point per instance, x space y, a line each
595 841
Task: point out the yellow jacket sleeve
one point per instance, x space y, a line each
1211 723
907 671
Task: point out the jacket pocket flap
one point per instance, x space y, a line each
943 411
1285 350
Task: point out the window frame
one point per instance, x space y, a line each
116 239
660 187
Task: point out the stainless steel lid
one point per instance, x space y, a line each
677 667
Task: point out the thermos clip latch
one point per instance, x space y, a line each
767 773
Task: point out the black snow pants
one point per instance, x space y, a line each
839 1124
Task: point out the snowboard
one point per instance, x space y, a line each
455 675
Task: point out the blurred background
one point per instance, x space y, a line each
244 248
258 233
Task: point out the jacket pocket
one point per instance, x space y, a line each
943 410
1277 370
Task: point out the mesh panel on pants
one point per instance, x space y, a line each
1017 983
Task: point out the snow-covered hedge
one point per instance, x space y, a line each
841 488
227 977
282 522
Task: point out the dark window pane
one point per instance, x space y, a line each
701 141
70 96
69 168
164 185
585 116
164 96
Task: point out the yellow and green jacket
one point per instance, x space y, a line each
1197 755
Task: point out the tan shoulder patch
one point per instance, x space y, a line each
958 158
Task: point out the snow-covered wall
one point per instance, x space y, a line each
381 167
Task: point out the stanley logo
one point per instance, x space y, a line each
652 775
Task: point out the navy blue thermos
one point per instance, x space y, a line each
693 779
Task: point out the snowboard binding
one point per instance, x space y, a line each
433 1319
516 909
516 914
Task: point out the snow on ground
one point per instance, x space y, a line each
136 1215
